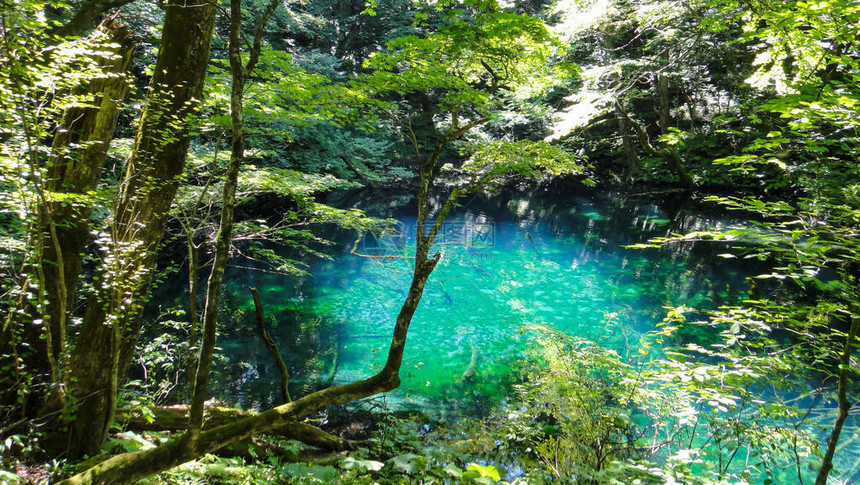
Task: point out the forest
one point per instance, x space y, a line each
429 241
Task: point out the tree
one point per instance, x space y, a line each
468 63
788 132
71 99
112 318
85 384
660 72
240 74
807 64
809 59
73 172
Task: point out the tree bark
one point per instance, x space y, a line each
665 110
61 229
87 15
77 158
672 158
844 406
175 418
112 319
633 163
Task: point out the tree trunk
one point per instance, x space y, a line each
112 320
225 229
665 111
228 202
61 228
671 156
79 150
86 16
273 347
676 165
633 163
844 406
175 418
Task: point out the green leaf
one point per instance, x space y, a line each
488 471
453 470
408 463
350 463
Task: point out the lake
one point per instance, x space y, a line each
510 261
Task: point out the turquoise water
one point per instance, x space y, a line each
507 265
562 266
508 262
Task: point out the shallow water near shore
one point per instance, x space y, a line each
559 262
506 265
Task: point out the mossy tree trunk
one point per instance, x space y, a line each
74 169
129 467
223 240
112 320
60 229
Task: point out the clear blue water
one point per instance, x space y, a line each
508 262
561 265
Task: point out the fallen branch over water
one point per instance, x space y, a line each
472 369
273 348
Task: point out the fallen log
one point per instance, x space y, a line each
175 418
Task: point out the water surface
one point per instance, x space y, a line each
559 262
508 262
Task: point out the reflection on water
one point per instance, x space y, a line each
507 261
559 263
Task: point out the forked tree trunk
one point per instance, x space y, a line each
112 320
